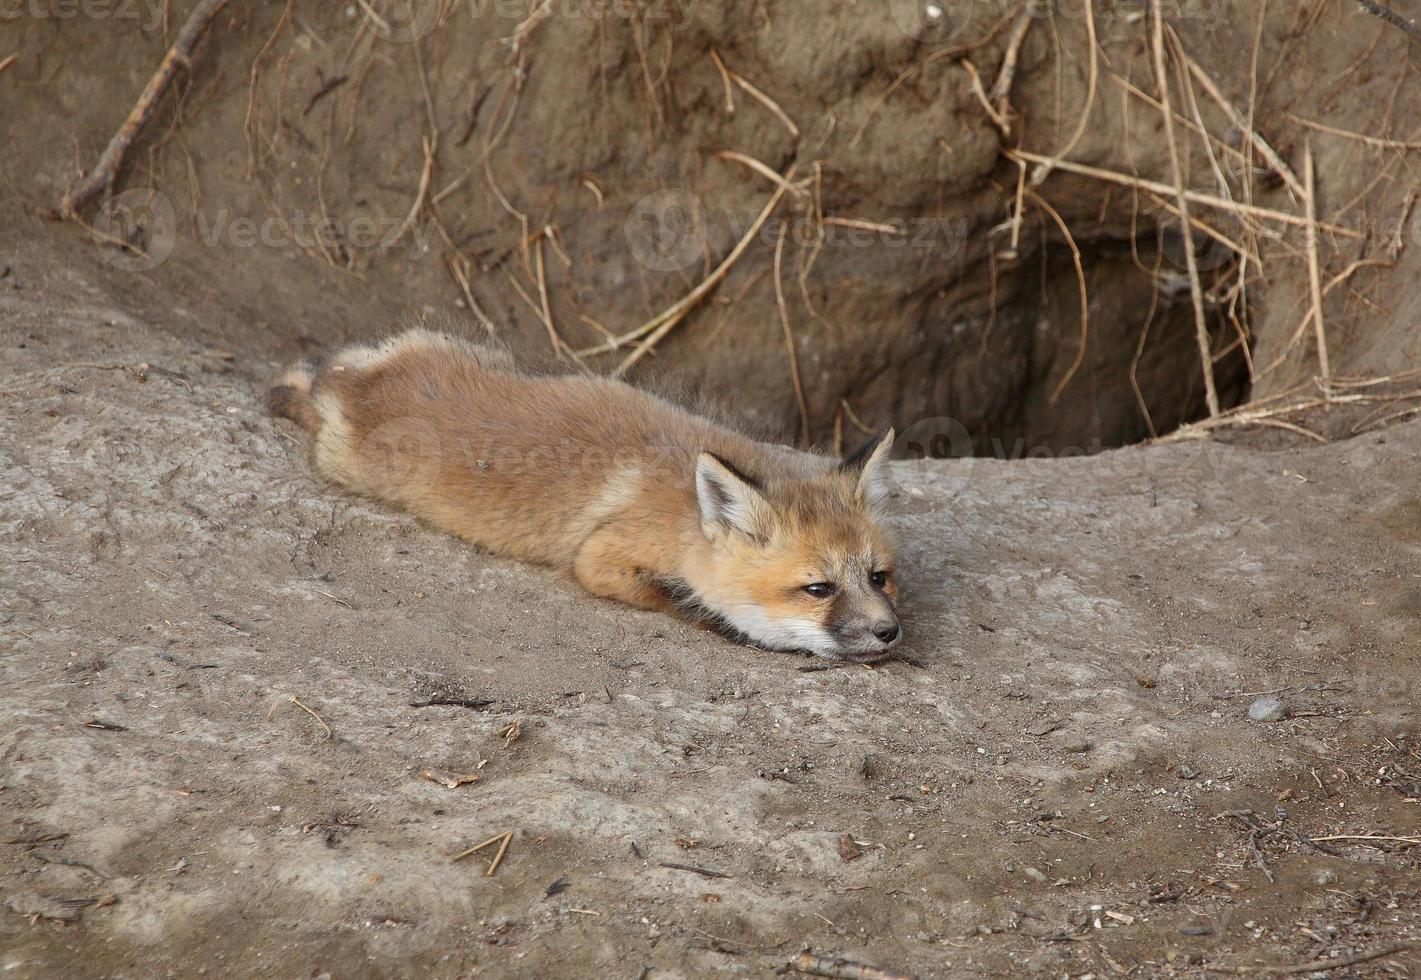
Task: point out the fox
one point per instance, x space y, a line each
640 500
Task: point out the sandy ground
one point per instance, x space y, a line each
211 749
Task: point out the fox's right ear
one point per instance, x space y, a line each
729 499
869 463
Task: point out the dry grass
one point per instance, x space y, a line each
1196 289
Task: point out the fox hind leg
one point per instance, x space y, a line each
301 393
290 396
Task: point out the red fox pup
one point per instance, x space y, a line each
638 499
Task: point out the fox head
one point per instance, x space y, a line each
802 563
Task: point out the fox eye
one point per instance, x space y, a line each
878 579
820 590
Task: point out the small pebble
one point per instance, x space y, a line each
1185 771
1267 709
1075 743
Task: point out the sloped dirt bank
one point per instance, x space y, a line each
577 170
212 738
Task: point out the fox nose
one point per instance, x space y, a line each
887 632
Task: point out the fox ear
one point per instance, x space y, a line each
728 498
870 462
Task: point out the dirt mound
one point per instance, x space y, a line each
225 723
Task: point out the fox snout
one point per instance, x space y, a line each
868 637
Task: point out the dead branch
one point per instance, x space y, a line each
1001 90
1265 150
1092 84
1081 285
326 733
102 177
1392 18
1194 197
1196 291
1349 959
1315 267
659 326
1385 144
502 840
789 340
980 91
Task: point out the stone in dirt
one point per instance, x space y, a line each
1267 709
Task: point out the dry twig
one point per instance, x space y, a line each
502 840
1191 261
447 780
421 195
1392 17
980 92
836 966
944 54
1385 144
725 80
1092 83
768 103
764 170
327 733
694 869
1080 285
1349 959
1370 837
1192 196
1001 89
1315 268
659 326
102 177
789 340
1270 156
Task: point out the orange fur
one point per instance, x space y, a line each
607 482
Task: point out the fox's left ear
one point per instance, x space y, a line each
870 462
